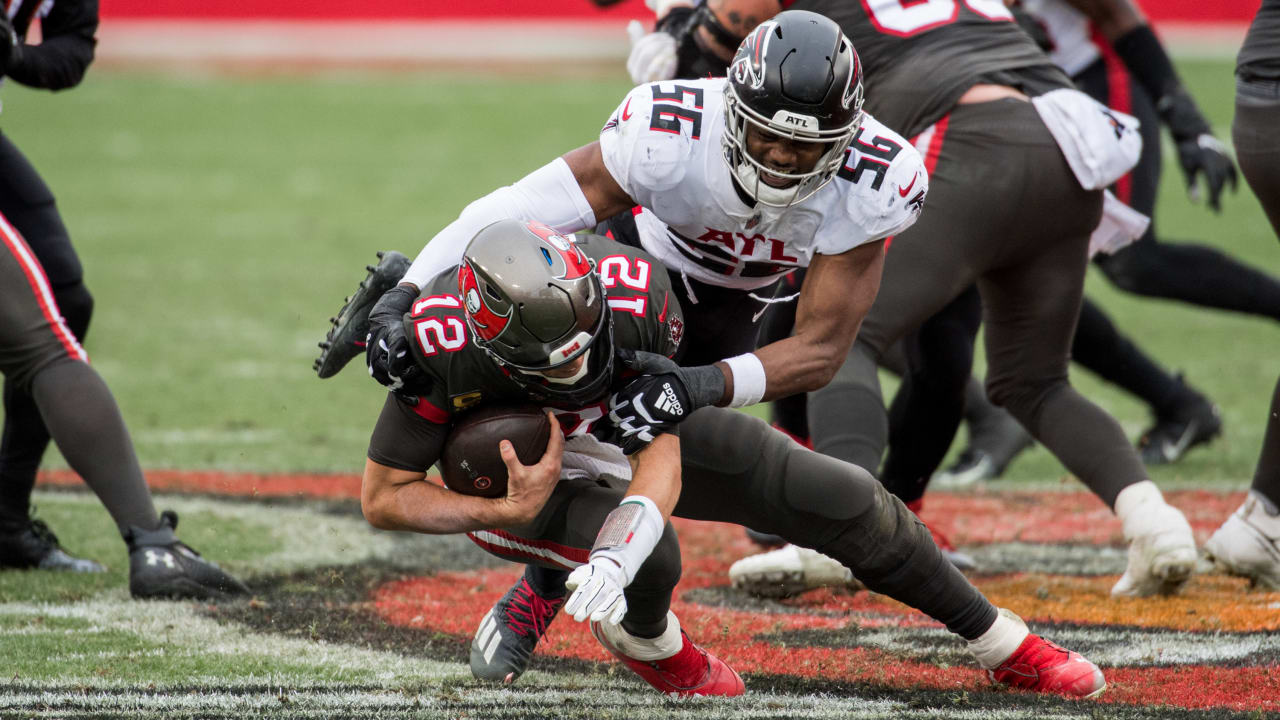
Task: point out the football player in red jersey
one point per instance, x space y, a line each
533 315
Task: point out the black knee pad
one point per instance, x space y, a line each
75 302
821 485
649 594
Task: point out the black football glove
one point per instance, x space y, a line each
387 349
663 396
10 45
1199 152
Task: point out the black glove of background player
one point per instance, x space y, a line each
663 396
387 348
10 45
1198 150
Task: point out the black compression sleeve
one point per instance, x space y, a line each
1146 58
61 58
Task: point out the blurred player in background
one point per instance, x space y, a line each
41 357
1112 53
48 384
1248 543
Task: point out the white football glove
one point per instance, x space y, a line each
653 55
597 592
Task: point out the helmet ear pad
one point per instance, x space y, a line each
796 76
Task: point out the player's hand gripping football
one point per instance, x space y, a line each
387 347
1199 152
663 396
529 486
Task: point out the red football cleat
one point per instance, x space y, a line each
691 671
1042 666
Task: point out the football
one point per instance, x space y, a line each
471 463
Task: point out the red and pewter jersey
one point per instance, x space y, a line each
1260 55
918 58
1070 32
663 147
646 316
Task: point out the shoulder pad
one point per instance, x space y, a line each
644 145
889 179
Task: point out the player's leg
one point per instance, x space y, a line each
1195 274
738 469
1184 418
39 354
927 409
1030 303
648 640
26 201
1248 543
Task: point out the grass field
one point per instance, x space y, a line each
222 218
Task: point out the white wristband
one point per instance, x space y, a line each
629 534
748 379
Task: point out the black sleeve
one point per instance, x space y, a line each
61 58
404 440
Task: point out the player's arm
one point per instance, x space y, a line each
629 534
64 52
393 496
1199 152
567 194
836 295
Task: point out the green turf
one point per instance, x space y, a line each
221 220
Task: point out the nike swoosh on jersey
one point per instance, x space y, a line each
902 191
626 113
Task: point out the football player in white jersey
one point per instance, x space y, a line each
736 183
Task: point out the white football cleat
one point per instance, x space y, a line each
1162 551
789 570
1248 544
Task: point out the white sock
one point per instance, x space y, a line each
1134 496
1000 640
646 649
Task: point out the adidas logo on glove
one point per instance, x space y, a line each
668 402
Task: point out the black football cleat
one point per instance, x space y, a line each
350 327
30 544
1193 421
162 566
504 642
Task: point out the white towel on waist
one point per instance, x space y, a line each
1100 144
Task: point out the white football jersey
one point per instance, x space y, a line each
663 146
1070 32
